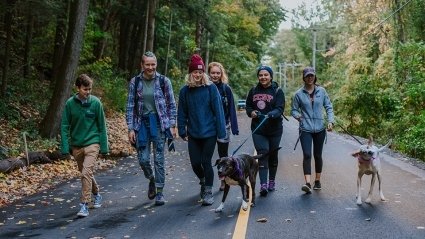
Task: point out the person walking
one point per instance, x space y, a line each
218 76
84 134
151 118
307 107
200 121
266 100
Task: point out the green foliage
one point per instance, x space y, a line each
112 86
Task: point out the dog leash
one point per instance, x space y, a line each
348 133
261 123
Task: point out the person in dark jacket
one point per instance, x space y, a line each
219 77
266 101
200 121
307 107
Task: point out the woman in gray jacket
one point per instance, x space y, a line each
307 107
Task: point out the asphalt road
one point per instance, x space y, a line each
329 213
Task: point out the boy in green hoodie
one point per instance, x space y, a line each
84 135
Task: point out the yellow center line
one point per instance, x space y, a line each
242 222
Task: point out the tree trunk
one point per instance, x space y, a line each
104 22
151 25
398 22
60 38
10 164
28 40
49 127
8 25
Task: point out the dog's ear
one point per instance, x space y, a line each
217 162
355 154
370 142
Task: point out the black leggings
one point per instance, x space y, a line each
223 149
306 140
200 153
267 165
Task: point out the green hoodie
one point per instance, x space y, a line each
83 124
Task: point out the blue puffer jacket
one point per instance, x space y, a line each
311 111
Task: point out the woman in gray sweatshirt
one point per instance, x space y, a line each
307 107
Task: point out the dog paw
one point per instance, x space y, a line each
244 205
384 199
368 200
218 209
359 202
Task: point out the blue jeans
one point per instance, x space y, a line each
158 159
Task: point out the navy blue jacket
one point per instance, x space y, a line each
200 112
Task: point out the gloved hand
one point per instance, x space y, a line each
270 115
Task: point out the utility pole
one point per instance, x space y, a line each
314 48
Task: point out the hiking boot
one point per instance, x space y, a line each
306 188
208 197
159 199
263 190
84 211
152 190
271 185
317 185
97 201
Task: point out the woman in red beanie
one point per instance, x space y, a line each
200 121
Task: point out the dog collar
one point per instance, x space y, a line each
363 161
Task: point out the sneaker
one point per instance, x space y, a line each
306 188
317 185
159 199
208 198
152 190
97 202
271 185
84 211
263 190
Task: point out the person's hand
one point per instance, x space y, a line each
174 132
330 126
132 137
270 114
254 114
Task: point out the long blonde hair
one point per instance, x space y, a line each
224 79
190 81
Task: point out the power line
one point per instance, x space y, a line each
385 19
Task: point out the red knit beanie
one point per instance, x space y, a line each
196 63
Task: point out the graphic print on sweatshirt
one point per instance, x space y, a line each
261 100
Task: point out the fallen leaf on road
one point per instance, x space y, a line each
21 222
421 228
367 219
288 220
262 220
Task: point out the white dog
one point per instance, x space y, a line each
369 164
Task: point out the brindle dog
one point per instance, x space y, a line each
236 170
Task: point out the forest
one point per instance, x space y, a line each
369 54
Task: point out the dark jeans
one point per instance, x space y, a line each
306 140
268 165
200 153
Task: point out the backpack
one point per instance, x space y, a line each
224 99
136 96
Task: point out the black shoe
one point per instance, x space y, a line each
306 188
263 190
317 185
152 190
